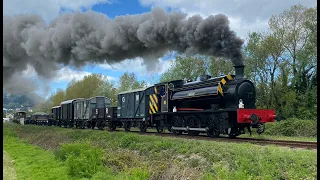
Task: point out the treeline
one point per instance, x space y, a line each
282 62
90 86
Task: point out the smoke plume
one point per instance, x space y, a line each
88 37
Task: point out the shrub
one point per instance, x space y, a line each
82 159
128 140
292 127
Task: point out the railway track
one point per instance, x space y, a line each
291 144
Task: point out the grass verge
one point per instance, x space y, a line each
120 155
9 173
33 162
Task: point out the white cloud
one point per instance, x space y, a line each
244 15
66 75
48 9
138 67
110 78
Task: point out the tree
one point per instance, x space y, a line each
107 89
218 66
193 67
44 107
128 82
296 28
283 61
57 97
185 67
84 88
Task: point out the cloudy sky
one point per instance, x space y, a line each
244 16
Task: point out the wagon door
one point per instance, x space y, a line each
100 106
139 104
123 105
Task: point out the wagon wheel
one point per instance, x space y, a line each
71 124
193 122
214 125
83 124
112 126
93 124
101 125
88 123
177 121
143 127
160 129
127 126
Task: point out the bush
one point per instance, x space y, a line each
292 127
83 160
128 140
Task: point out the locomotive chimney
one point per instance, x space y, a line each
239 70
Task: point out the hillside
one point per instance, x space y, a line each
11 101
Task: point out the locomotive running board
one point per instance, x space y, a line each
189 129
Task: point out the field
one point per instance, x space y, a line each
60 153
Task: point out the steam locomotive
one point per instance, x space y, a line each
219 105
212 105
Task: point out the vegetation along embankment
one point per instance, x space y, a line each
59 153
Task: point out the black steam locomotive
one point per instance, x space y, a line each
219 105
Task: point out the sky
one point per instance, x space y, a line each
244 16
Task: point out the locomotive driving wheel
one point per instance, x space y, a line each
177 121
214 125
193 122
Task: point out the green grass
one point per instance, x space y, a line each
120 155
71 161
9 173
33 162
285 138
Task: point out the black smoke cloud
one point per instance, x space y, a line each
89 37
